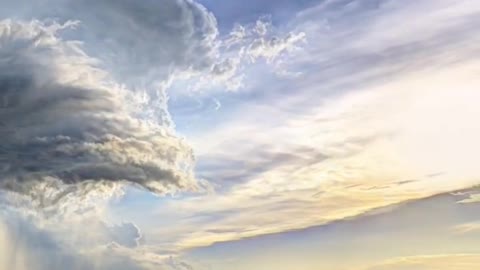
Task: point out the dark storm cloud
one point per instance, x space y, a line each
60 119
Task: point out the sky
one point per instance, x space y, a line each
232 135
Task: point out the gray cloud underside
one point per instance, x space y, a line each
56 122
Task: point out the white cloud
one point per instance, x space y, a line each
270 49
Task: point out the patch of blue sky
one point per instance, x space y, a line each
229 13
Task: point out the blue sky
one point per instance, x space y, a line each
187 134
229 13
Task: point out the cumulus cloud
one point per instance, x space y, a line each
62 117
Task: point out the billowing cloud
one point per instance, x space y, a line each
62 117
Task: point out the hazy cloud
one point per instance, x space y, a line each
431 262
472 198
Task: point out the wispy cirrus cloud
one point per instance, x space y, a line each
372 113
472 198
427 262
467 228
